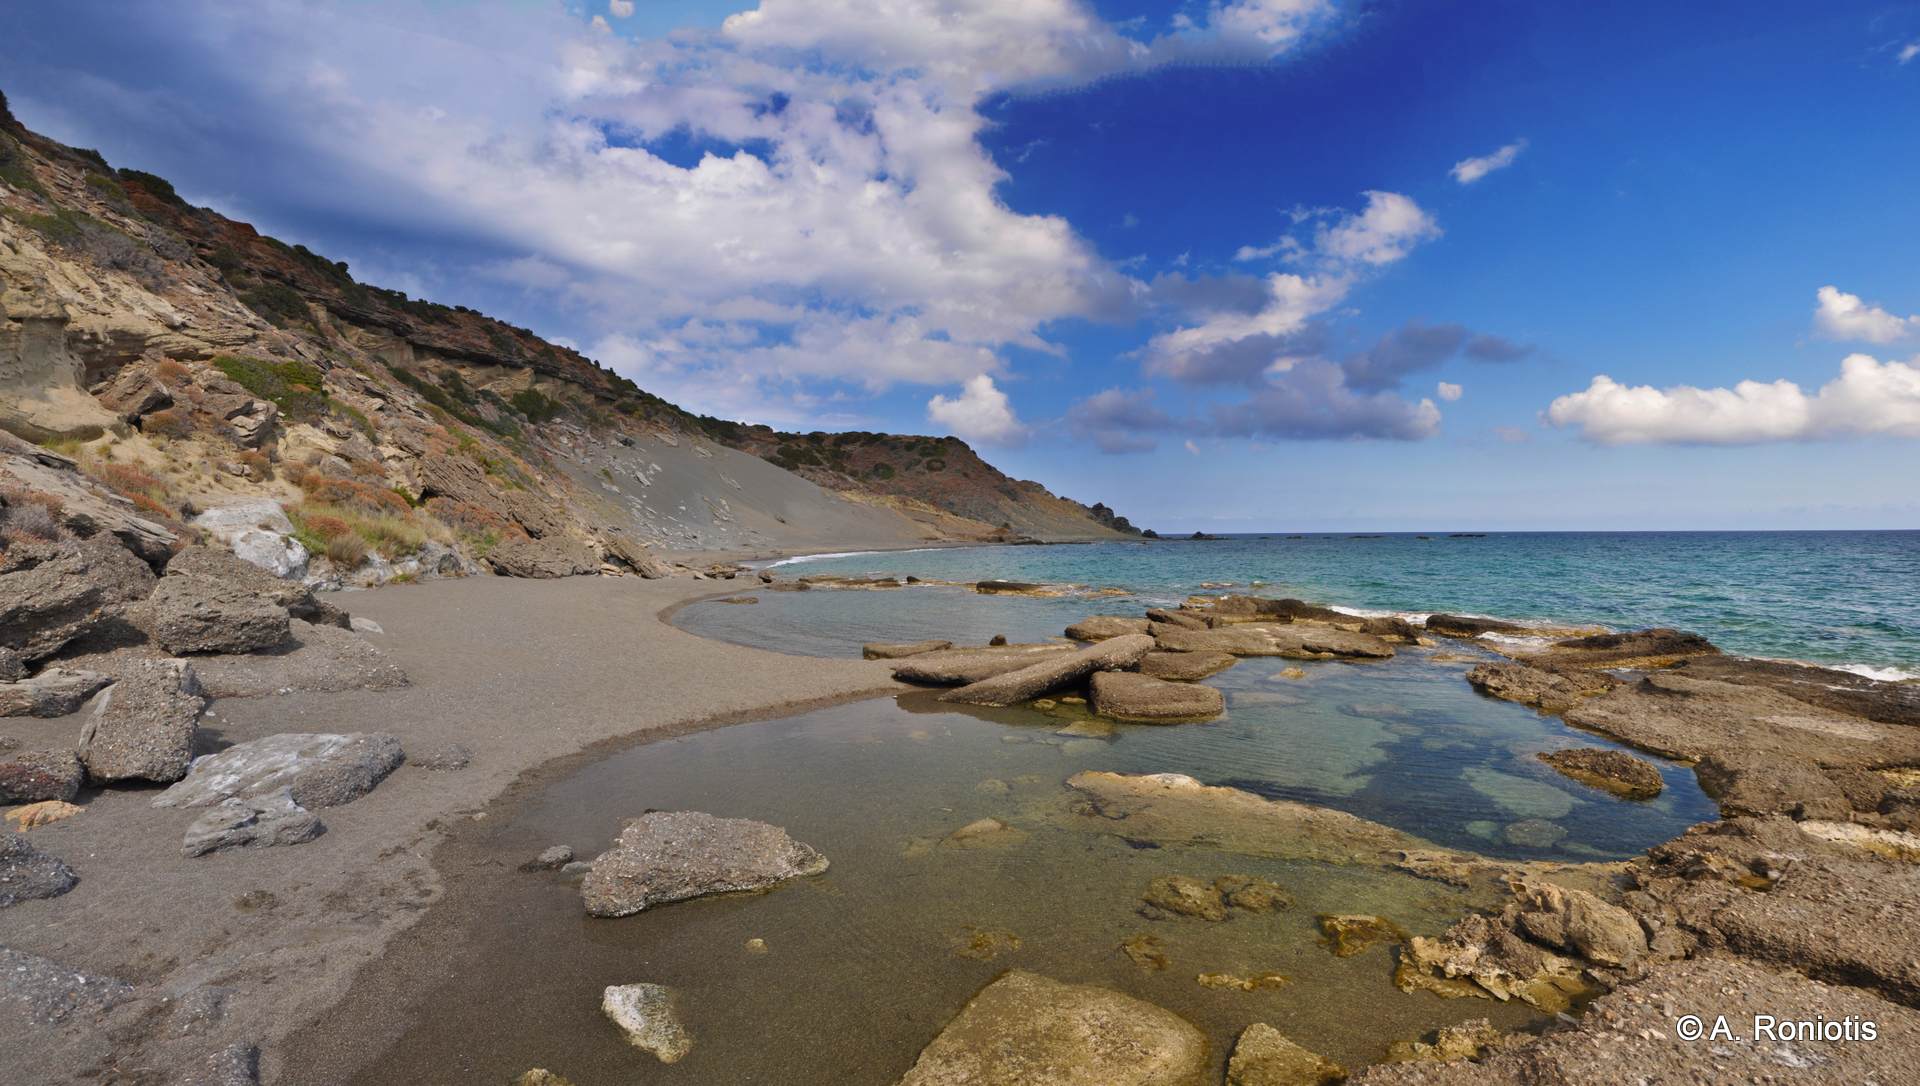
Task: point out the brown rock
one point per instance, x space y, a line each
1840 691
1185 620
1762 783
34 775
958 667
1265 1057
1539 688
1390 628
1185 666
1642 648
1254 895
1102 627
1470 1040
1348 934
1298 642
548 558
143 727
1031 682
1464 626
193 612
1142 699
983 833
1616 771
666 857
1185 896
885 650
1026 1029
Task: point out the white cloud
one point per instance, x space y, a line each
1909 52
1468 170
1869 397
621 8
1450 392
981 413
1192 448
1844 316
1387 230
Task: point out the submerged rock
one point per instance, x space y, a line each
33 775
1126 696
1470 1040
1616 771
1027 1029
1184 896
1348 934
983 833
142 728
1185 666
316 770
645 1013
256 822
671 856
28 874
1265 1057
1254 895
1030 682
884 650
1534 833
1501 964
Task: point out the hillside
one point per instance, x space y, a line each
179 361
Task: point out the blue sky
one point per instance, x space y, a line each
1250 266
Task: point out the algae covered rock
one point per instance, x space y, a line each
1027 1029
671 856
1616 771
1265 1057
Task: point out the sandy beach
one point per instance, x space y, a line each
532 677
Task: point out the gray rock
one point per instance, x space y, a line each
896 650
195 612
644 1012
28 874
237 1064
261 822
1762 783
665 857
142 728
1031 682
13 666
1102 627
957 667
1265 1057
297 598
1127 696
43 608
316 770
1534 833
556 857
365 626
1185 666
1616 771
1027 1029
554 556
53 994
451 757
34 775
257 532
200 1010
314 659
53 692
1390 628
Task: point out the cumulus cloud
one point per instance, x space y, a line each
1450 392
1844 316
1386 230
621 8
981 413
1869 397
1407 349
1313 401
1908 52
1468 170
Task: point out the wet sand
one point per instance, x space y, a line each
535 678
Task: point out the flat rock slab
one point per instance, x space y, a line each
671 856
1629 1036
54 692
1266 1057
53 994
1031 682
1682 718
28 874
896 650
193 612
317 770
1841 691
34 775
1840 920
1641 648
1539 688
1142 699
644 1012
1296 641
1616 771
1762 783
1185 666
1027 1029
1471 626
542 558
1174 808
320 659
1102 627
260 822
142 728
958 667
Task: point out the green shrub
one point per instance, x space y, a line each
278 303
293 386
882 470
536 406
94 157
159 187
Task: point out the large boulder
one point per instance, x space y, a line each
1762 783
316 770
45 606
671 856
1185 666
89 508
27 874
54 692
193 612
259 822
258 532
35 775
1033 681
1675 716
1102 627
555 556
296 597
897 650
1616 771
1128 696
958 667
1027 1029
142 728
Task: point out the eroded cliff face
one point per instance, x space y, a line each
191 363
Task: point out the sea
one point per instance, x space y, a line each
845 978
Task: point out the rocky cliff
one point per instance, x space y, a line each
179 361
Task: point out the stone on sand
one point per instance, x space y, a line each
1128 696
1185 666
194 612
47 605
644 1012
317 770
28 874
34 775
142 728
1616 771
297 598
315 659
257 822
54 692
1265 1057
1028 1029
1103 627
554 556
671 856
896 650
1030 682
